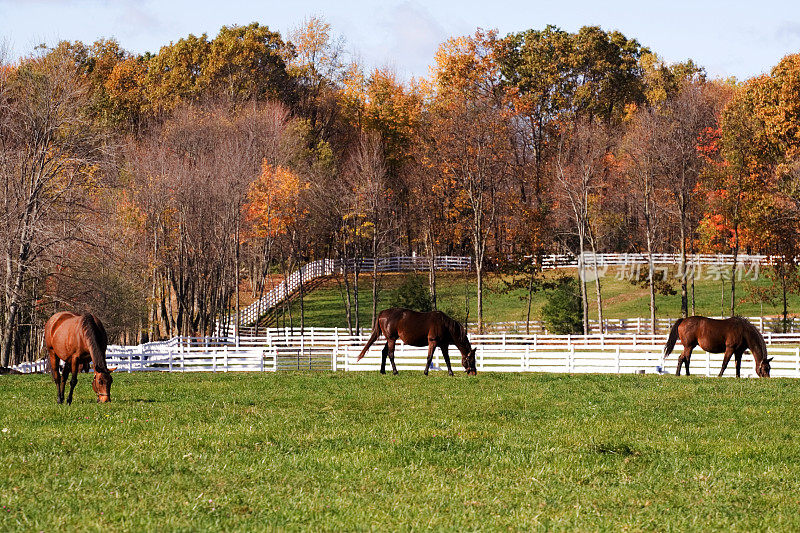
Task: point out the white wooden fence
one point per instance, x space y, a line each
613 326
250 314
331 349
613 259
327 267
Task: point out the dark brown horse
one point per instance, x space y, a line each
421 329
732 336
76 340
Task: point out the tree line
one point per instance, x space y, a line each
153 188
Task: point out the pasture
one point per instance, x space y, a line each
360 451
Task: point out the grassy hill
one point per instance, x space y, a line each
324 307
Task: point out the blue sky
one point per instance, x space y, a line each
730 38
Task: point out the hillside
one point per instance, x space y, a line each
621 299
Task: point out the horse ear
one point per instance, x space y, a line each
112 369
769 360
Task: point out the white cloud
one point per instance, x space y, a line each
412 37
788 33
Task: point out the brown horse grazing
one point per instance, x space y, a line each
421 329
732 336
76 340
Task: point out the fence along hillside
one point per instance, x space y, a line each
333 349
613 326
329 267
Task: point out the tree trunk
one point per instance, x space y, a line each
598 289
431 265
650 283
530 300
733 269
238 323
682 268
374 273
582 279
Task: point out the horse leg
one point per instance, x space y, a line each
446 355
738 356
390 344
728 354
686 354
76 367
431 349
384 353
54 371
62 384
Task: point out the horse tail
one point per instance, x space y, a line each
673 337
376 332
97 340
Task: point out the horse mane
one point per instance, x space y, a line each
755 339
457 331
95 334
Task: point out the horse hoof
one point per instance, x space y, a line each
450 374
394 373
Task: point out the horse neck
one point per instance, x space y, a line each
756 343
461 341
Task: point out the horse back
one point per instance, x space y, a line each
415 328
65 333
714 335
53 327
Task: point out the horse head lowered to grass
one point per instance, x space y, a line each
421 329
732 336
77 340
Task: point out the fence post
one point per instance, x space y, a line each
335 356
797 362
617 359
708 364
570 356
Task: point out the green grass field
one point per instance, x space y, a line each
324 307
303 451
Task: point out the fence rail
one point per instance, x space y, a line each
331 349
613 326
328 267
613 259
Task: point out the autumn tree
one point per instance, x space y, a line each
473 159
51 157
366 175
581 165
